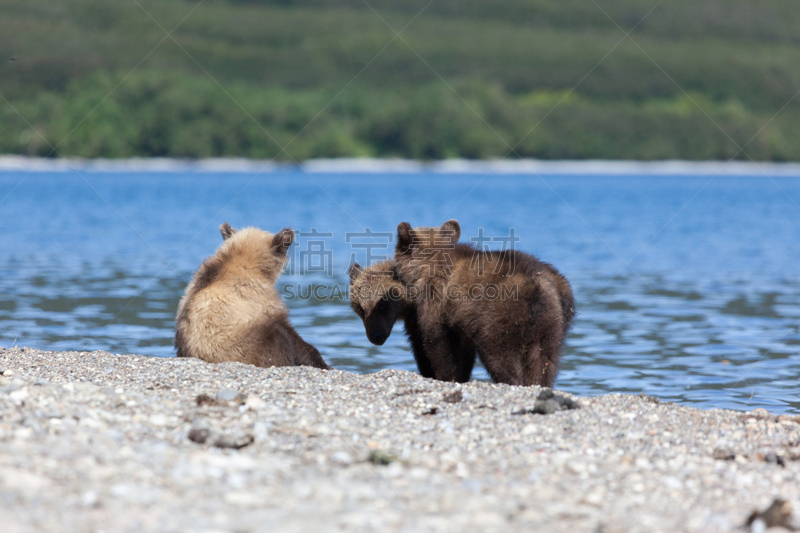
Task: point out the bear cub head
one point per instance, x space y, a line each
414 239
425 251
378 298
250 248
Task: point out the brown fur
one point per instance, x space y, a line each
231 310
518 334
379 299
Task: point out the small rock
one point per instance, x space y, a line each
89 498
723 454
158 420
228 395
205 399
430 410
235 440
379 457
650 399
547 403
254 403
199 435
772 457
452 397
576 467
18 396
342 458
595 498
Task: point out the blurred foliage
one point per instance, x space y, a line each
327 78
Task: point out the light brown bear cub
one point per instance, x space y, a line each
380 300
509 307
231 310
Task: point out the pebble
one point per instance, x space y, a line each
234 440
548 402
380 457
453 397
104 442
342 458
227 395
198 435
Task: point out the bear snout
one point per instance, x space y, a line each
377 338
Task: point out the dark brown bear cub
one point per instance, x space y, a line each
231 310
509 307
379 299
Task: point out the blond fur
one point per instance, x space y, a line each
231 301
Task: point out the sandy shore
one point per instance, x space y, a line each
102 442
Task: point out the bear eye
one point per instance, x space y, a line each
359 310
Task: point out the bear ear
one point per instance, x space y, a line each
403 237
451 229
226 230
283 240
354 271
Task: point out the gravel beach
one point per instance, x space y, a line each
103 442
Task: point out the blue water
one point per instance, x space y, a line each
688 288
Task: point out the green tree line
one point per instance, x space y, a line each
474 79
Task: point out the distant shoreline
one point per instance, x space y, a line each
11 163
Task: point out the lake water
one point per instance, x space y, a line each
687 287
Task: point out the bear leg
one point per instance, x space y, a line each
414 334
307 355
450 356
463 354
541 363
270 345
505 366
304 354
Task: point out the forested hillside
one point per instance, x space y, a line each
465 78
